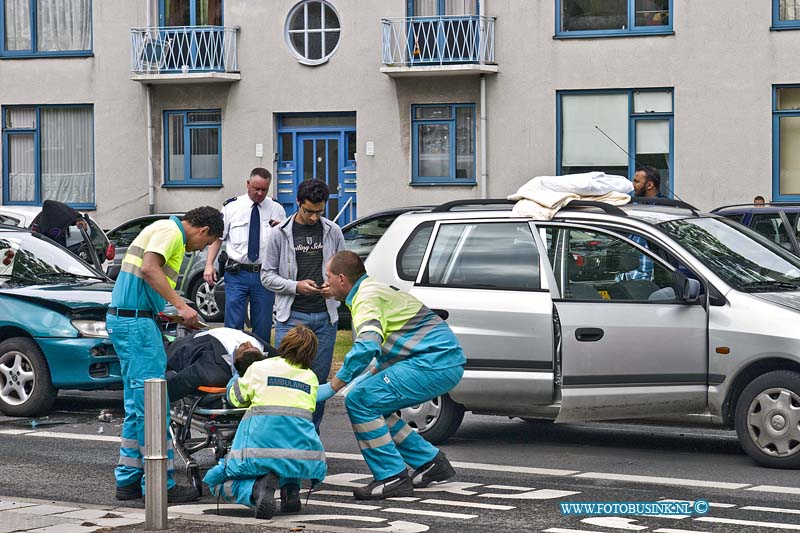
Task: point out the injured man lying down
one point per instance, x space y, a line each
209 359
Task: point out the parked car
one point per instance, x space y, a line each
52 326
777 221
711 330
190 282
23 216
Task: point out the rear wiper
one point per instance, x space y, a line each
17 277
759 285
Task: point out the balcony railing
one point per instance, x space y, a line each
184 50
446 40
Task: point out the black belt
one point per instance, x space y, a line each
236 267
130 313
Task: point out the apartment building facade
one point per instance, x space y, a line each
122 107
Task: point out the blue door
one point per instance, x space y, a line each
322 156
442 31
192 34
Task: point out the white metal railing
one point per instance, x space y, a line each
348 203
184 49
441 40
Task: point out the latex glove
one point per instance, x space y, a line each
325 392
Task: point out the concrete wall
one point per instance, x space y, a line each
721 62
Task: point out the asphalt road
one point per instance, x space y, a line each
512 475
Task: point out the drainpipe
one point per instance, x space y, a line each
484 172
151 187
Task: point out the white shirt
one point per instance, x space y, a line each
237 226
231 339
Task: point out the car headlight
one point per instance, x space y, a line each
91 328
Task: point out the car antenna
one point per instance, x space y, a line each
635 161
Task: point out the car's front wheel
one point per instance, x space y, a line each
203 297
436 420
25 385
768 419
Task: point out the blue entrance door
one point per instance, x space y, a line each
321 156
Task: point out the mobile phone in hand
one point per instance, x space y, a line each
274 222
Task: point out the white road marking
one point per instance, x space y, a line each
710 504
344 505
770 509
452 487
668 530
403 499
564 530
774 525
331 493
664 480
540 494
423 512
614 522
476 505
779 490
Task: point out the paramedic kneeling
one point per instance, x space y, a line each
418 357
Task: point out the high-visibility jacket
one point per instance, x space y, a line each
393 326
276 434
163 237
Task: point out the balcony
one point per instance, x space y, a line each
438 46
185 54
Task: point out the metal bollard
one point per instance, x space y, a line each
155 454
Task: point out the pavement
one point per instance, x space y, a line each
24 514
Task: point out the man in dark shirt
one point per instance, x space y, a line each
294 269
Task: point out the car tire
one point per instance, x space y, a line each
763 418
436 420
25 385
203 297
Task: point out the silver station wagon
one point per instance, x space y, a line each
608 313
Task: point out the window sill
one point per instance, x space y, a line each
611 34
189 185
443 184
45 55
785 27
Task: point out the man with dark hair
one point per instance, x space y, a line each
418 358
249 219
210 358
647 182
145 284
294 267
759 201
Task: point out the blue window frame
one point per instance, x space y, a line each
443 144
785 14
615 131
587 18
174 13
48 154
786 142
29 28
193 148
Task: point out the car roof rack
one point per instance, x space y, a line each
669 202
449 206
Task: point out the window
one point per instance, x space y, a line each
785 14
786 144
190 13
591 18
362 237
45 27
313 31
771 226
48 154
192 148
443 144
409 259
597 266
615 132
489 255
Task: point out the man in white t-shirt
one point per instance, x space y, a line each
249 219
210 358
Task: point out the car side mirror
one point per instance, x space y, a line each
691 291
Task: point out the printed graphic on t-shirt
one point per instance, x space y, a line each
308 253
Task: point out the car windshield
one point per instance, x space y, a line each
27 258
744 259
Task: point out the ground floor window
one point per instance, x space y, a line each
192 148
786 143
615 131
443 144
48 154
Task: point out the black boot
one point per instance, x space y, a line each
290 498
434 471
391 487
264 496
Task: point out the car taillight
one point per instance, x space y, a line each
580 261
110 252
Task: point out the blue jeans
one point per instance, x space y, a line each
320 324
140 349
238 288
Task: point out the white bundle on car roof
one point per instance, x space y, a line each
543 196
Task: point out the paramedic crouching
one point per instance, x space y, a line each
418 357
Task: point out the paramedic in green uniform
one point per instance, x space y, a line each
145 283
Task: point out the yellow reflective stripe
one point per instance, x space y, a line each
377 442
372 425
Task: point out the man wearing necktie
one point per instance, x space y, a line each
248 220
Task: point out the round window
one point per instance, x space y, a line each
313 31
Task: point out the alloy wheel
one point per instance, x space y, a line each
206 303
17 378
